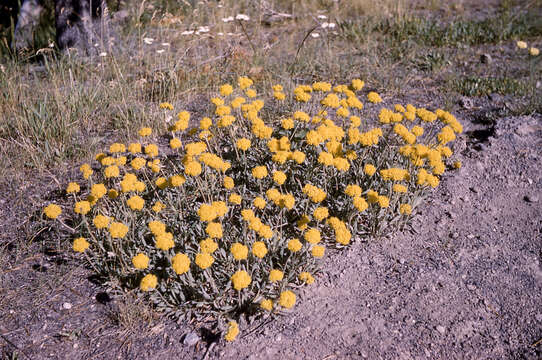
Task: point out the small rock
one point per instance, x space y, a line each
470 236
67 306
466 102
538 317
471 287
191 339
75 345
427 353
454 235
279 338
121 15
532 198
441 329
485 59
401 261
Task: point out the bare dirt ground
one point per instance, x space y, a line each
466 282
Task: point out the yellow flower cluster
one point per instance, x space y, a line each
394 174
291 181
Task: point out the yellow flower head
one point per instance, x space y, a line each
294 245
228 182
180 263
279 177
357 84
320 213
164 241
318 251
235 199
279 95
157 227
276 275
383 201
101 221
80 244
204 260
73 187
353 190
176 180
145 131
259 202
135 202
259 249
138 163
374 97
405 209
134 148
243 144
166 106
312 236
239 251
192 168
306 277
251 93
398 188
52 211
226 90
521 44
208 246
247 214
214 230
82 207
98 190
158 206
112 193
298 156
240 279
233 331
148 282
175 143
287 299
140 261
331 100
369 169
266 304
118 230
259 172
183 119
534 51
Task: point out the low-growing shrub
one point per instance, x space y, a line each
236 214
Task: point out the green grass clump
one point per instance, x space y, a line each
236 213
462 31
479 86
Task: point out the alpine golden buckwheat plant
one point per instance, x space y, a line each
236 214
